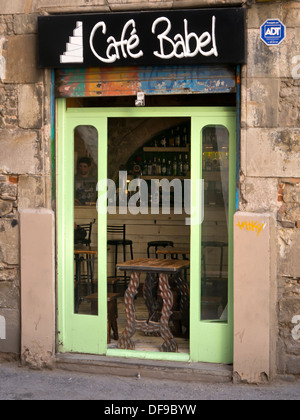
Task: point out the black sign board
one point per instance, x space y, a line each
202 36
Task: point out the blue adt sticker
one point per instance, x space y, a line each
272 32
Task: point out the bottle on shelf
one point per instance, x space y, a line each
145 168
186 165
169 168
154 166
184 138
174 166
158 167
215 161
171 139
208 162
177 137
164 167
149 168
180 166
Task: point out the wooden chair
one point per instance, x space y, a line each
157 244
87 228
120 231
89 260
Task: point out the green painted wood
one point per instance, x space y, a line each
209 341
78 333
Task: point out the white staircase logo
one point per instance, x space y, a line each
74 48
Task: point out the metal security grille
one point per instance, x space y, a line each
127 81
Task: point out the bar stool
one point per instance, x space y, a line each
121 231
157 244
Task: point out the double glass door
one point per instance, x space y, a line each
198 216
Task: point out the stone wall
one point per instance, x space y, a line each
270 139
270 158
24 154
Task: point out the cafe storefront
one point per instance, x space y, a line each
147 103
173 132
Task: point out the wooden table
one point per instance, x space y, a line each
88 254
152 266
174 253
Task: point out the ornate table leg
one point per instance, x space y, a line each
182 286
169 344
124 341
152 302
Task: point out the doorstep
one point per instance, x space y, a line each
155 369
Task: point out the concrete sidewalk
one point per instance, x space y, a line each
22 383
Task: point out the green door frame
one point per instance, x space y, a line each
209 341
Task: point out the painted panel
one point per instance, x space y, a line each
127 81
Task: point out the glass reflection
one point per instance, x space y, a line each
214 276
85 220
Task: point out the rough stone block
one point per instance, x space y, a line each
5 207
8 274
291 193
259 194
25 24
19 152
9 241
50 4
258 14
262 102
293 365
12 7
273 153
30 106
262 60
288 308
291 11
21 60
9 295
31 192
289 103
289 48
289 251
8 190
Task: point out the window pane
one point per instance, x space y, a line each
85 220
214 281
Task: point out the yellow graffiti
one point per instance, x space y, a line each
252 226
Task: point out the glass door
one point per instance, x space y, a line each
83 133
214 162
81 231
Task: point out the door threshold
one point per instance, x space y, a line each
135 367
149 355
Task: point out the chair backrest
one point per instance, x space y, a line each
87 227
117 229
